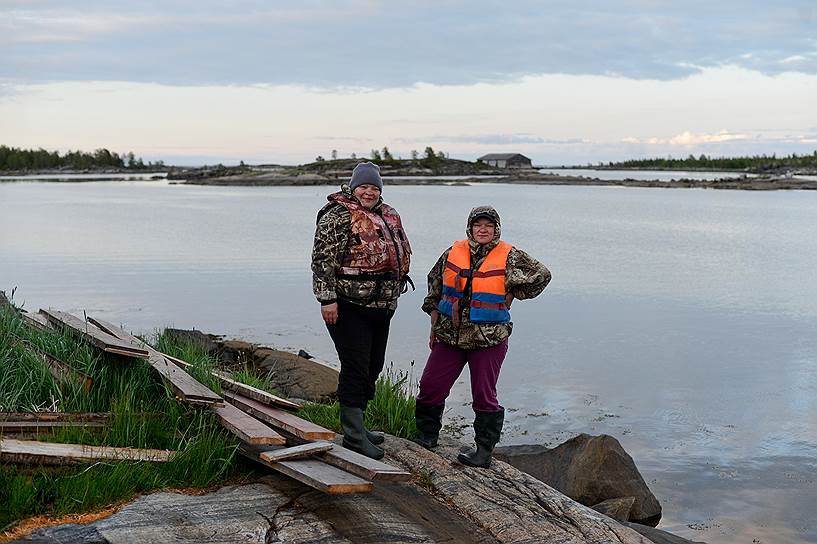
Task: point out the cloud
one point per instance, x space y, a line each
372 44
688 138
493 139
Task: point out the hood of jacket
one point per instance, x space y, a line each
491 213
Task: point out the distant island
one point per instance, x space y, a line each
431 168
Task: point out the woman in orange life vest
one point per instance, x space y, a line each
470 290
360 265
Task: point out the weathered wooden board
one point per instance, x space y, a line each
34 427
62 371
363 466
246 427
280 419
243 389
37 320
296 452
95 336
314 473
183 384
32 452
101 417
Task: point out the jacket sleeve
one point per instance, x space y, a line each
331 238
435 283
525 277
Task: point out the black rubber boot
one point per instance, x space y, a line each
429 420
374 438
487 430
354 434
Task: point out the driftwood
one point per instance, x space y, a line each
31 452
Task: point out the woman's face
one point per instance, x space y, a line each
483 230
368 195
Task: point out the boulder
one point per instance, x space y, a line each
296 376
590 470
618 509
196 338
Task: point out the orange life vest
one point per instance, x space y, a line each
378 245
487 284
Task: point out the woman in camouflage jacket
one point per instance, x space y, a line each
470 291
360 265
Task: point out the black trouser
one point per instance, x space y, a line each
360 337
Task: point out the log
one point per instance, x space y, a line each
32 452
279 419
243 389
183 384
295 452
95 336
246 427
313 473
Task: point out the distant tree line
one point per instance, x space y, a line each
429 157
12 158
754 163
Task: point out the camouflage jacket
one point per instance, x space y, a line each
332 237
525 278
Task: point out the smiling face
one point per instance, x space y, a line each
368 195
483 230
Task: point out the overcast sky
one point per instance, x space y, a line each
563 82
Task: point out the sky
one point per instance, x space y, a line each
563 82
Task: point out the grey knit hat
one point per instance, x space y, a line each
366 173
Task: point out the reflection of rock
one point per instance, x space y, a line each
658 536
589 469
296 376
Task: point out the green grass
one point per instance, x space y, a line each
391 410
144 414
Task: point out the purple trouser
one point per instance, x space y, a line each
445 365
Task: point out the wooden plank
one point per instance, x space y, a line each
34 427
314 473
183 384
363 466
246 427
101 417
62 371
95 336
33 452
280 419
38 321
243 389
295 452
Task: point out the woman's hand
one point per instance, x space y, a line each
329 313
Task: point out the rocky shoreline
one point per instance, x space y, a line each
585 490
276 179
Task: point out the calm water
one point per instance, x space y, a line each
682 322
660 175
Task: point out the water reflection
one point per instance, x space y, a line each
682 322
